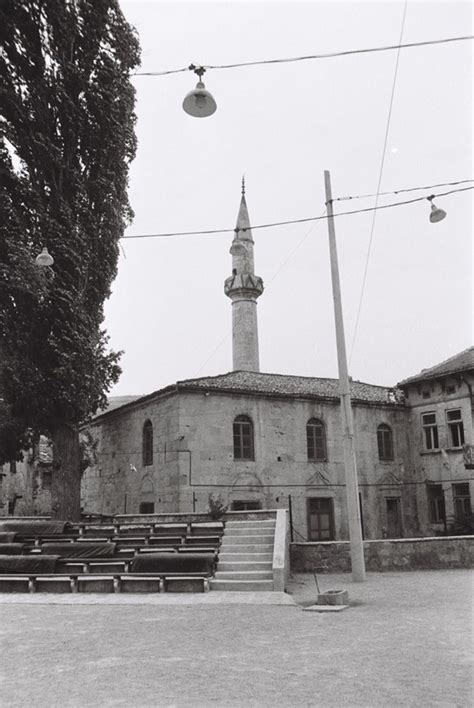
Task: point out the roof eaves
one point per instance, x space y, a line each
160 393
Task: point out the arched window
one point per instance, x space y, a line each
316 440
243 438
385 442
147 443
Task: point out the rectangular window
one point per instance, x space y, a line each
430 431
245 505
385 442
462 500
436 503
456 428
146 508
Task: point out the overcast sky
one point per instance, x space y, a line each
283 125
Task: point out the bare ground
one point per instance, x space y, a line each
406 640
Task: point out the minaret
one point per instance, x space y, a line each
243 288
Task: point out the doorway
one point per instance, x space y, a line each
320 519
394 517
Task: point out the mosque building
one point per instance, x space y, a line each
261 440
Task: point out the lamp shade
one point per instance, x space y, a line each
436 214
199 102
44 258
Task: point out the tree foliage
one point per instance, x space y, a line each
67 142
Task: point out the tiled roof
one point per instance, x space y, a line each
293 386
117 402
455 364
248 382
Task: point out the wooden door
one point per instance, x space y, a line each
320 519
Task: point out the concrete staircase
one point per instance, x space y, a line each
246 556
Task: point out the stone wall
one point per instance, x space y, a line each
119 480
194 457
385 555
281 467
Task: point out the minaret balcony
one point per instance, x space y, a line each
243 284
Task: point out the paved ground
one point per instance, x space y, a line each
406 640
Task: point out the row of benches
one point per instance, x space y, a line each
30 529
119 541
103 582
57 557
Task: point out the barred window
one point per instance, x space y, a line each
385 442
147 443
316 440
243 438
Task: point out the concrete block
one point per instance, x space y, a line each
13 584
184 584
140 584
95 584
56 585
325 608
333 597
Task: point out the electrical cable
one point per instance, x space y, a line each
296 221
400 191
308 57
382 163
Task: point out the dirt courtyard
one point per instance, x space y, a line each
406 640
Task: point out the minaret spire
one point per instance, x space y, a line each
243 288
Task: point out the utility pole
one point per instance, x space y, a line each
350 464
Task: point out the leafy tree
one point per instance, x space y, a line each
67 142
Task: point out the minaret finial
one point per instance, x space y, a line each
243 185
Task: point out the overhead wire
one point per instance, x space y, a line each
400 191
382 163
295 221
309 57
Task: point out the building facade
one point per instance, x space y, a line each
269 441
440 405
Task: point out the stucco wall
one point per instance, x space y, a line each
385 555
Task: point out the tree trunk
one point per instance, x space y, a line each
66 477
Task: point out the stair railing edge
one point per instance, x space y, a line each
280 551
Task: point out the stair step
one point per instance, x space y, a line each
243 565
244 575
230 538
246 548
249 531
267 524
242 585
245 557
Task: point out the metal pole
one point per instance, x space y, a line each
350 465
290 510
